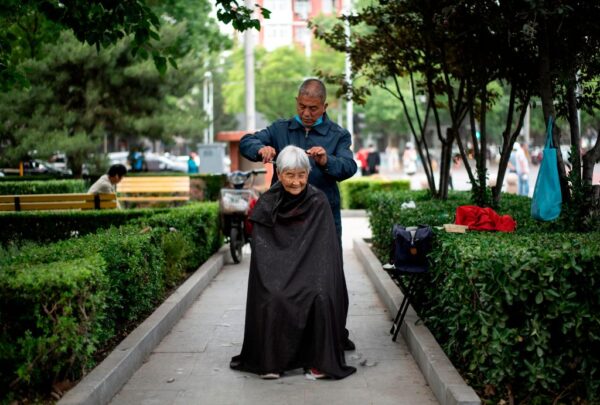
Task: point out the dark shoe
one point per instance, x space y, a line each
349 345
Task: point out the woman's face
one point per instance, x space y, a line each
294 180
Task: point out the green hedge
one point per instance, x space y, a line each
34 177
355 192
140 261
211 184
51 226
50 320
43 187
516 312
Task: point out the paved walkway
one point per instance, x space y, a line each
191 365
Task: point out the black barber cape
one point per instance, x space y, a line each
297 299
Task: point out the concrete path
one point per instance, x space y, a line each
191 365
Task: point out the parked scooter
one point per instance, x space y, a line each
235 204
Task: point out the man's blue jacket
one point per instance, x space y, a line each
333 138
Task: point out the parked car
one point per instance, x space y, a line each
158 163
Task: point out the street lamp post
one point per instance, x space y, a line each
207 104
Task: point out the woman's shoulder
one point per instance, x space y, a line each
316 194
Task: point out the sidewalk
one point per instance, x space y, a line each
191 364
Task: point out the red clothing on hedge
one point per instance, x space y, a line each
484 219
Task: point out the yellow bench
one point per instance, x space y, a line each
37 202
154 189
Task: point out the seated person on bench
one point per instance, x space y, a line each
107 183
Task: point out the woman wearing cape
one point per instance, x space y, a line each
297 300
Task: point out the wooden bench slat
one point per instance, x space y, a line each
34 202
155 198
56 197
148 189
152 188
59 206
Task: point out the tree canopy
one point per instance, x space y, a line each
101 24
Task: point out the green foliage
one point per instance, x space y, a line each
278 74
42 187
27 24
211 185
579 213
78 95
50 319
517 313
134 264
51 226
355 193
198 222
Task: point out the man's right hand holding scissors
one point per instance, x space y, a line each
267 153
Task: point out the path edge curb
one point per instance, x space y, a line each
444 380
108 377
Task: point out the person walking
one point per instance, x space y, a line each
522 166
326 144
373 160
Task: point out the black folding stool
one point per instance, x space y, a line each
408 290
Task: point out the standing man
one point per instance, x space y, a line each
325 142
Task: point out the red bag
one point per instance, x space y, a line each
484 219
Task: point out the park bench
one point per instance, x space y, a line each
38 202
154 189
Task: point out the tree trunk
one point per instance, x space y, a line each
546 95
590 159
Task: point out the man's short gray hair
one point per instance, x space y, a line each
313 87
292 158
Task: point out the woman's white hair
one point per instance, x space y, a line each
292 158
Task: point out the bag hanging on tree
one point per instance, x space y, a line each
547 197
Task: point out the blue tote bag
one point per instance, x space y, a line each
547 197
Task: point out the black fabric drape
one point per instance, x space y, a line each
297 300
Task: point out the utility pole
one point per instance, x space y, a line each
249 74
207 104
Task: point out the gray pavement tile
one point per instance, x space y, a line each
145 397
186 339
163 371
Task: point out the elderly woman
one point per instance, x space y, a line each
297 300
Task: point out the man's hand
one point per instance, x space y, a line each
319 154
267 153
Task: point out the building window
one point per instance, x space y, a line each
302 9
328 6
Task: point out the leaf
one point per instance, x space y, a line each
161 64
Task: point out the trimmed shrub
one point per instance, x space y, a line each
50 319
517 313
52 226
42 187
208 185
356 192
134 264
188 235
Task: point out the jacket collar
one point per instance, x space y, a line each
321 129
